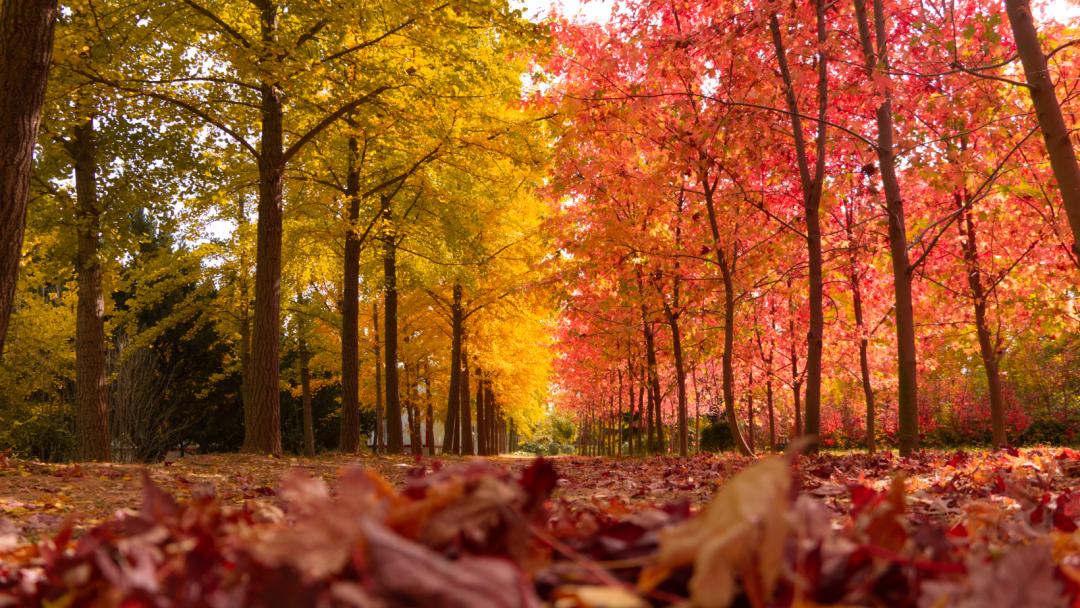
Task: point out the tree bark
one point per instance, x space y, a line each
379 446
91 377
482 421
680 380
655 428
429 417
395 439
727 272
877 67
728 354
864 339
453 393
350 312
305 392
466 413
987 348
26 40
262 434
811 187
1059 146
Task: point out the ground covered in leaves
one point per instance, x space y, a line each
939 529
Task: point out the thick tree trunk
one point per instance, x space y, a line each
987 348
26 37
811 188
380 425
262 433
305 395
91 377
1059 146
453 393
394 435
466 413
350 312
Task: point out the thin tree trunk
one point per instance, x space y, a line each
453 393
750 412
91 378
982 328
379 425
305 391
350 312
680 381
395 436
796 383
429 417
697 411
811 187
466 413
619 419
262 434
864 339
727 271
772 415
727 356
26 40
482 421
656 435
1059 146
877 67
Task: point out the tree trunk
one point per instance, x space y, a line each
262 434
429 417
750 412
811 188
350 312
482 446
489 417
91 377
26 37
987 348
727 356
877 68
1059 146
379 424
395 438
656 434
466 414
305 392
619 418
680 381
772 414
453 393
727 271
864 339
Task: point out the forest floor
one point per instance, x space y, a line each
37 498
941 528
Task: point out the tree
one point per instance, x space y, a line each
26 40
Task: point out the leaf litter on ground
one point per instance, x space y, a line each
938 529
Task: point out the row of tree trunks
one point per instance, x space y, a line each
26 37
